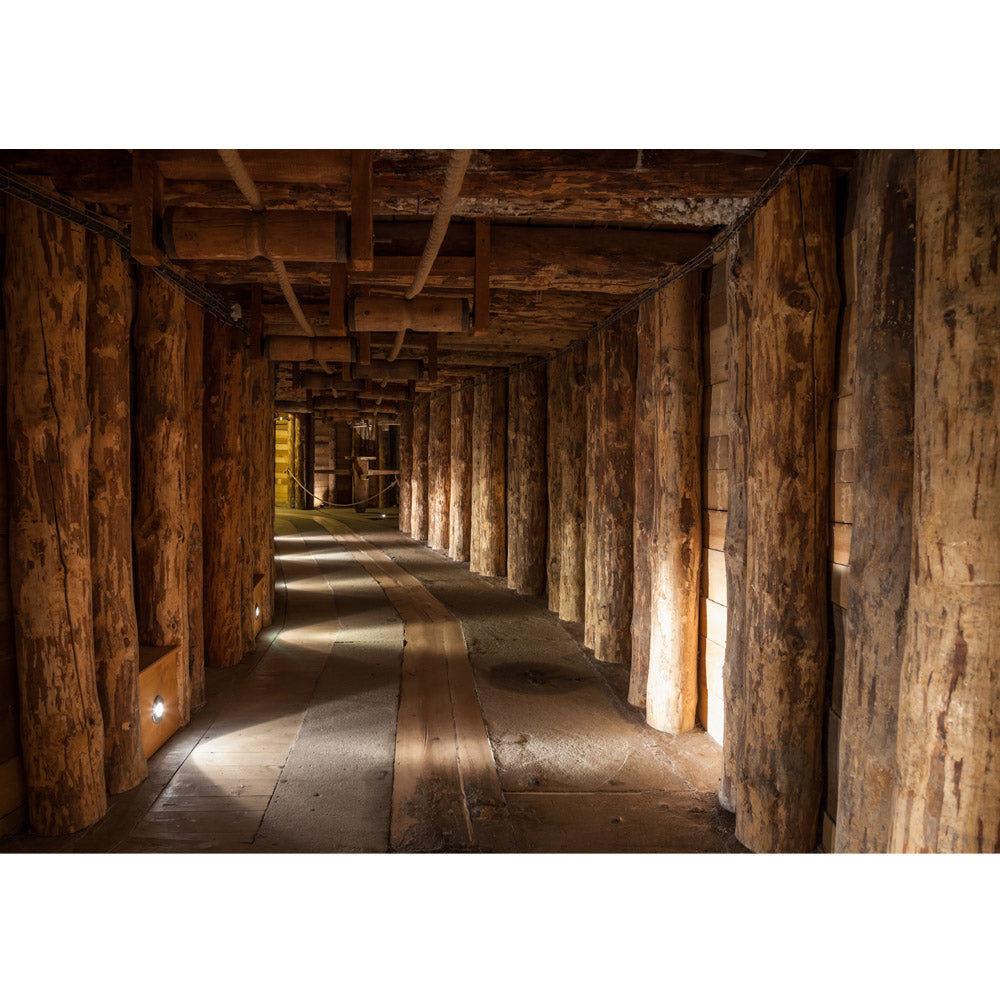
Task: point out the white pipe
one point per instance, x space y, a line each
446 206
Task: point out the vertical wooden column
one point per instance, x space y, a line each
675 572
555 428
646 384
739 302
195 488
10 721
460 515
418 489
488 547
573 487
270 569
222 526
158 524
883 491
246 503
262 460
948 790
48 439
611 454
792 335
405 467
439 472
526 496
594 405
116 637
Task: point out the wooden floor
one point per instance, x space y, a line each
400 703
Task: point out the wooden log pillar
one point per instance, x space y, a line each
675 533
488 546
611 493
883 492
158 523
592 472
792 335
526 480
439 472
116 636
405 468
555 427
270 567
573 487
222 526
261 422
48 441
739 302
460 515
194 485
418 488
646 384
948 785
10 722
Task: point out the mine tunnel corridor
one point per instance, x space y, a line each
400 703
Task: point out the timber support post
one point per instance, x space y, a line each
194 487
222 531
405 468
526 493
160 340
675 573
48 436
948 789
439 471
116 637
488 546
881 537
792 336
418 490
460 515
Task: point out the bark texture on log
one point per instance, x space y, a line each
10 722
647 384
158 525
879 568
267 607
792 339
739 296
573 487
48 440
246 504
675 573
460 516
405 468
592 470
261 422
110 308
194 485
555 381
418 491
439 472
948 784
222 528
526 499
612 443
488 548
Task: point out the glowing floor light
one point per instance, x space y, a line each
256 611
159 707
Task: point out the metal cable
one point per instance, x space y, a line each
453 178
62 208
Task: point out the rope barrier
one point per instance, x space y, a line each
327 503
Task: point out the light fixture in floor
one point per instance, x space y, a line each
159 707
